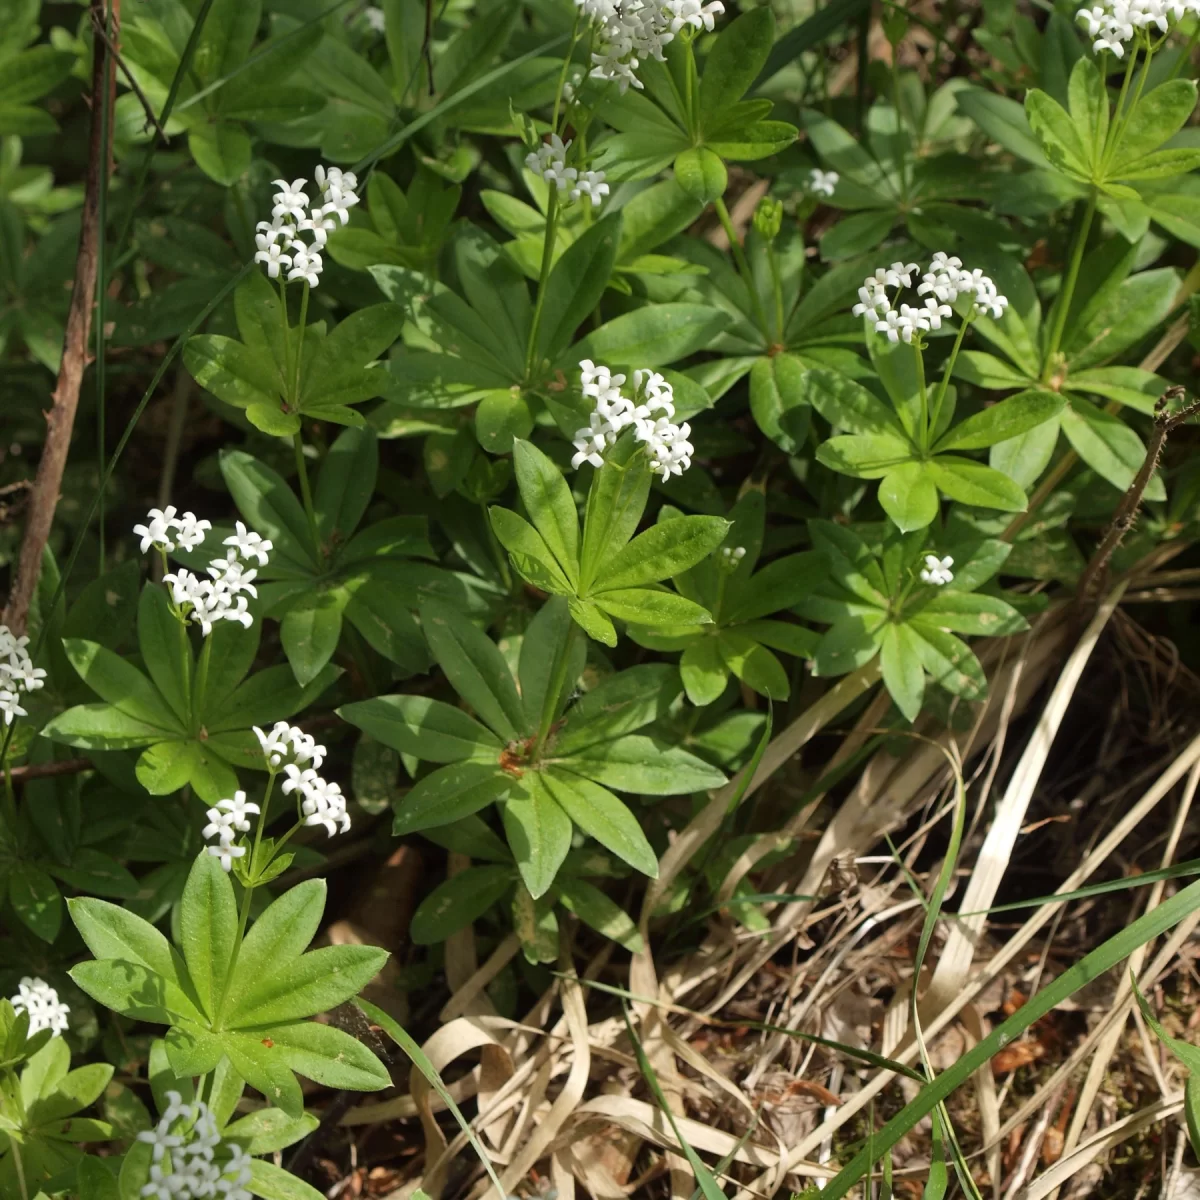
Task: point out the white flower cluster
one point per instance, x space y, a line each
1113 23
550 162
937 570
630 31
822 183
189 1160
170 532
46 1011
225 822
322 802
278 240
17 674
223 595
941 285
650 412
731 556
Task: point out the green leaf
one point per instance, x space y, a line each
651 337
753 664
948 661
538 832
1108 446
550 505
346 483
110 931
476 668
105 607
310 631
652 606
208 926
269 1129
965 612
602 816
636 763
972 483
615 503
1057 134
262 1064
780 389
315 982
36 900
666 549
269 507
449 794
279 936
531 557
848 644
866 455
575 286
908 495
461 899
900 666
424 728
122 685
621 704
1009 418
594 908
133 991
502 417
166 651
700 174
1088 100
1024 458
734 63
222 151
543 643
1158 116
848 405
703 671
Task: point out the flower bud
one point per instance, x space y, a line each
768 218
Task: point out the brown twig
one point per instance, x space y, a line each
151 119
1126 514
60 420
70 766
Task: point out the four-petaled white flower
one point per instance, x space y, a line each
1113 24
249 544
822 183
271 253
290 200
936 571
37 998
590 184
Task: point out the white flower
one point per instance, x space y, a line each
271 254
897 326
10 701
288 743
306 265
325 805
227 852
234 812
249 544
937 570
550 162
1112 24
375 18
157 530
46 1011
822 183
290 200
299 780
189 1161
590 184
189 532
277 744
693 13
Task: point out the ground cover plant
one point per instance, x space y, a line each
600 599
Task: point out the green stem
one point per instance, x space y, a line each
558 682
20 1168
186 654
743 266
1185 54
562 77
1121 119
295 396
544 275
248 893
916 345
201 681
306 492
1067 291
945 383
287 332
1110 139
777 289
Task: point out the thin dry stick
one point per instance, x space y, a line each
1126 513
60 420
